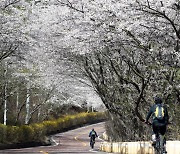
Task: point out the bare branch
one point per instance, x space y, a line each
8 53
70 5
10 2
163 15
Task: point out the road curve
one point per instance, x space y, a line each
74 141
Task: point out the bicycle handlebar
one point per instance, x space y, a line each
149 123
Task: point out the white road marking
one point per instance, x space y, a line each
91 150
56 144
100 139
43 152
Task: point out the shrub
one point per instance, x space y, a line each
3 132
50 126
37 132
25 134
12 134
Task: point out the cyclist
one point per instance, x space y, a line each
158 124
92 136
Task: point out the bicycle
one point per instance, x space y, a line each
92 142
159 146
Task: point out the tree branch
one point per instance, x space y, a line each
70 5
10 2
163 15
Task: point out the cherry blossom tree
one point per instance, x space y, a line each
132 53
128 51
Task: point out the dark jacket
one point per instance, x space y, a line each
155 120
93 134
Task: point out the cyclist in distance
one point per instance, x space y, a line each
160 117
92 136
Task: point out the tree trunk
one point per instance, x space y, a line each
17 101
27 104
5 95
5 103
39 113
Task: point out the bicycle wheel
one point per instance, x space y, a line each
92 144
161 144
157 146
156 151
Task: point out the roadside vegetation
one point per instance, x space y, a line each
37 133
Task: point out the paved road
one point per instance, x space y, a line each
74 141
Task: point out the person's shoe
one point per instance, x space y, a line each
164 151
154 143
153 139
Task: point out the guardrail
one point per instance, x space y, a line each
141 147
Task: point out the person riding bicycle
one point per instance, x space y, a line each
160 117
92 136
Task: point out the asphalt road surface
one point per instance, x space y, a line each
74 141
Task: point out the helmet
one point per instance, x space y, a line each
158 100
